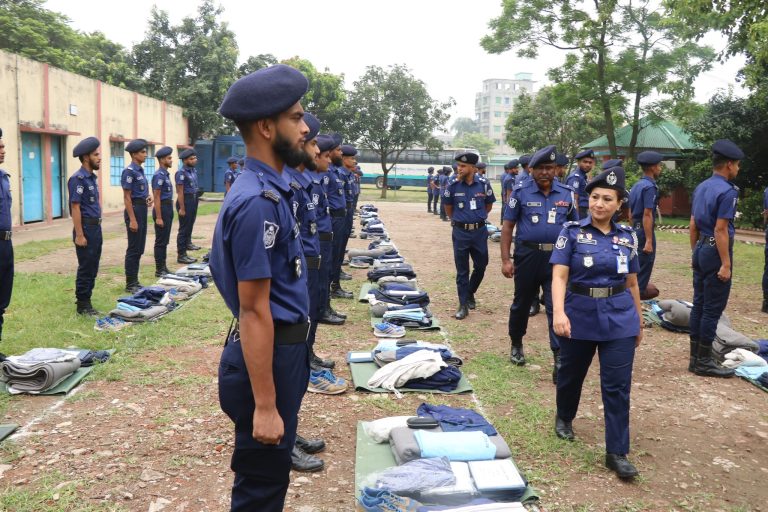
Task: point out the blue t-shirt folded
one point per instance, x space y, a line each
457 446
445 380
456 419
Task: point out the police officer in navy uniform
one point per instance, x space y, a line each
6 247
435 188
443 181
230 175
348 166
597 307
162 212
765 267
430 180
711 230
643 204
538 207
186 205
508 183
137 199
561 164
468 200
85 210
337 198
481 166
259 268
524 173
579 177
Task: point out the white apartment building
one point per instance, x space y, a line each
495 102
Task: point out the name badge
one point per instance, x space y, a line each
622 264
535 219
588 261
472 204
551 216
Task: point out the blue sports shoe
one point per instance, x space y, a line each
381 500
326 383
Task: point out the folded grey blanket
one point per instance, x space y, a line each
406 448
38 377
373 253
143 315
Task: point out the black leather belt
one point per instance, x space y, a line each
596 293
326 237
707 240
540 247
167 202
139 201
285 334
468 227
338 212
313 262
92 221
5 235
191 194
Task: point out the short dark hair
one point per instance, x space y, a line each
719 161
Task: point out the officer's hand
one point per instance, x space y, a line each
149 201
80 241
133 225
159 222
639 338
508 268
561 325
724 274
268 426
182 213
648 247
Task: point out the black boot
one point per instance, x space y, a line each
564 429
310 445
462 312
84 307
556 365
302 461
706 366
329 319
471 304
132 284
765 306
620 465
336 313
693 355
161 270
338 293
193 247
517 356
535 308
317 363
344 276
184 259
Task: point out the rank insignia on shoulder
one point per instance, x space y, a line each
571 223
295 185
271 194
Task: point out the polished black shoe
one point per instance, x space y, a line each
184 259
320 363
86 308
556 365
133 286
517 356
462 312
765 306
161 271
336 313
304 462
345 277
620 465
471 304
310 445
329 319
193 247
535 308
564 429
706 366
338 293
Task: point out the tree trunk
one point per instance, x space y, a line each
386 172
638 97
605 100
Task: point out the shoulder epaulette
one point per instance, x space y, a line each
295 185
571 223
271 194
625 227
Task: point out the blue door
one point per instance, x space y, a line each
32 173
57 176
224 150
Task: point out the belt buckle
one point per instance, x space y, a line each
600 293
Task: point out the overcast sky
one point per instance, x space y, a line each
437 39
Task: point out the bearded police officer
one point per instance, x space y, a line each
137 199
577 180
162 213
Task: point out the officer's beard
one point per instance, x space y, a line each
290 155
309 162
337 161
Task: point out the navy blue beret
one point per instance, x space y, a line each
241 162
136 145
724 148
467 158
611 177
512 164
447 170
430 169
482 165
525 160
338 139
561 159
232 160
587 153
163 152
85 146
545 155
187 153
348 150
314 126
649 158
616 162
325 143
264 93
454 166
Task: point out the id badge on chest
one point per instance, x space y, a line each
473 204
622 264
551 216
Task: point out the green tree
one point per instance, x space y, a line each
464 125
390 111
255 63
545 118
326 95
477 141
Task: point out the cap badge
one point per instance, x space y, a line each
611 179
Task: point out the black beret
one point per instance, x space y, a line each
587 153
561 159
612 177
232 160
163 152
241 162
430 169
616 162
314 126
546 155
454 166
325 143
338 139
446 169
649 158
86 146
482 165
187 153
348 150
525 160
467 158
264 93
136 145
724 148
512 164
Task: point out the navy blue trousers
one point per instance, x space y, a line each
6 278
710 294
348 228
262 471
315 310
466 245
532 271
430 199
765 268
435 198
616 358
136 240
646 260
186 223
442 209
88 259
324 277
339 225
163 235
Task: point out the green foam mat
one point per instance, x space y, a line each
364 291
756 383
7 430
361 372
372 457
434 327
63 387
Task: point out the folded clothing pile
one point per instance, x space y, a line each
383 357
194 269
419 369
392 269
179 288
147 304
41 369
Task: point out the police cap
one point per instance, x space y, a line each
482 165
649 158
264 93
314 126
587 153
325 143
163 152
726 149
467 158
616 162
136 145
187 153
86 146
561 159
546 155
348 150
525 160
232 160
430 169
338 139
512 164
612 177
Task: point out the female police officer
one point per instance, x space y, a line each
596 305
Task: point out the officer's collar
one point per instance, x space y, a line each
3 172
649 178
135 166
267 173
163 170
715 175
587 221
300 177
188 169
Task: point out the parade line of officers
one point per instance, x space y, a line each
279 243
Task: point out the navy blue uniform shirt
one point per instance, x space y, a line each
336 189
319 193
187 176
133 179
521 177
540 218
162 181
84 189
598 260
645 194
577 180
304 209
5 201
469 200
257 237
346 175
714 198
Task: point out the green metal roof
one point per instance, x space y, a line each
661 135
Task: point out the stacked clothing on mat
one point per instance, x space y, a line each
147 304
39 369
421 369
456 419
177 285
194 269
394 269
383 357
405 445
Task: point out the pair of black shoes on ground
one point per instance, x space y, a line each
185 259
84 307
332 317
463 311
616 463
338 293
302 458
161 271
